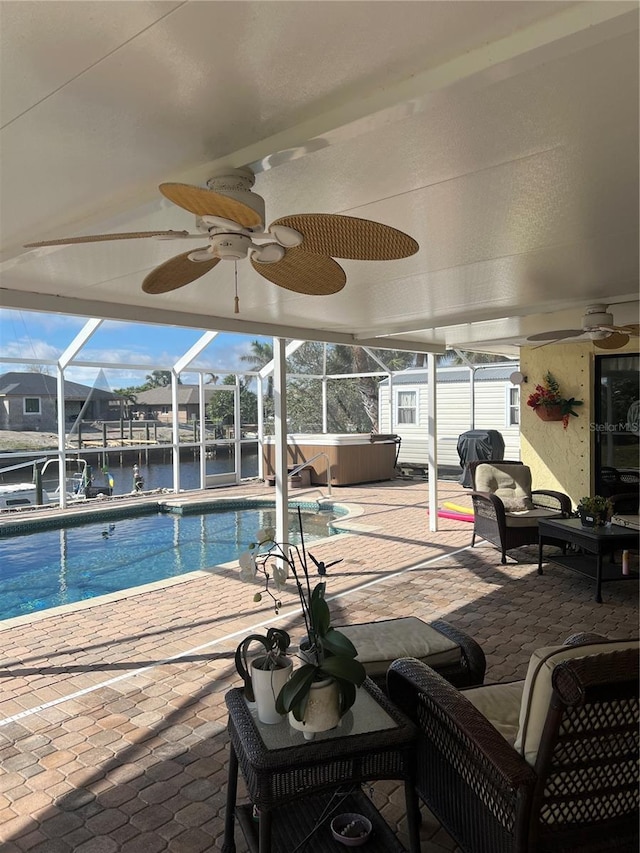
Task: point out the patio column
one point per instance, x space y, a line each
472 397
202 418
325 428
260 392
280 427
433 441
175 431
237 430
62 458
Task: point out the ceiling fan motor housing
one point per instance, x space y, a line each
236 184
597 315
231 247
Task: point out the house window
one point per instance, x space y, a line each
32 405
406 407
513 406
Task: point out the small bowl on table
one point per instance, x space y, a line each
351 829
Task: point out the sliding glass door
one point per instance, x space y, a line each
617 423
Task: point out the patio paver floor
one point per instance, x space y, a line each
112 719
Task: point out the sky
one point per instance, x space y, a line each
39 336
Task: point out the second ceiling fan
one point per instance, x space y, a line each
597 326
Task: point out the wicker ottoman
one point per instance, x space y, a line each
451 652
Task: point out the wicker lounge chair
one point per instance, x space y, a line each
545 765
506 509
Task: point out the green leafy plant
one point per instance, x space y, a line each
595 506
329 653
548 395
275 644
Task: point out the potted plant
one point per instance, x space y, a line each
330 671
549 404
594 511
264 676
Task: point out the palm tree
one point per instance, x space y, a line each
129 399
261 353
159 379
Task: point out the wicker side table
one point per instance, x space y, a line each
296 827
373 741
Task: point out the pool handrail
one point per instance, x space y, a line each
308 462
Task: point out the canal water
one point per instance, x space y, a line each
155 474
159 475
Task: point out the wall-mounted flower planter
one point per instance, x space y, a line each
549 413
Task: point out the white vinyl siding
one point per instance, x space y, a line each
454 418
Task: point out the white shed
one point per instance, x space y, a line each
495 401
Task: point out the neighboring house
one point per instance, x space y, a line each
155 404
28 401
496 406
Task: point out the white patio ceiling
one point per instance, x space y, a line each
503 136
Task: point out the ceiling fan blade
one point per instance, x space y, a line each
628 329
176 272
614 341
209 203
99 238
348 237
559 335
304 272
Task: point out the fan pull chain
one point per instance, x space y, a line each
236 306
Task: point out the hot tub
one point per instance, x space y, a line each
352 458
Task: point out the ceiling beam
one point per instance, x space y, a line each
468 316
45 302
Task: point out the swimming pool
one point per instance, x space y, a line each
74 563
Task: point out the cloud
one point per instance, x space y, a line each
41 338
114 378
40 322
118 355
227 355
29 348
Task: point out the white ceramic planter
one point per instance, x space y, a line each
323 709
267 683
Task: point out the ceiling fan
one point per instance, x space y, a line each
295 252
598 326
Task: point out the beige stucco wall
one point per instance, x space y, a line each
561 459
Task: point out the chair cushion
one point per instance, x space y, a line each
500 704
380 643
537 691
511 483
529 517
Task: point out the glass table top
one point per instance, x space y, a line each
365 716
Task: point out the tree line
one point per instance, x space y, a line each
352 402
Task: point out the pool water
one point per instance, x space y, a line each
56 567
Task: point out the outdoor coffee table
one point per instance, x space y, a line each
285 773
597 541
